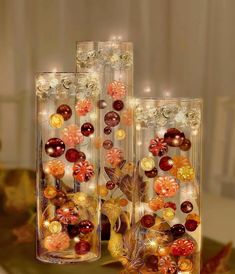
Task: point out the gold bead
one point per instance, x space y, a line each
56 120
120 134
185 264
147 163
168 214
186 174
103 191
55 227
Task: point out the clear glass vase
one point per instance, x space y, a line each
113 61
68 208
167 186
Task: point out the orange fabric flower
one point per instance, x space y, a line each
83 171
114 156
178 162
72 135
56 168
57 242
166 186
83 107
117 90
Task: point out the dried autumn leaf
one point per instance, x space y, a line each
115 244
114 174
219 263
112 210
125 186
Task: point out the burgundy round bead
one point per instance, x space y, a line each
173 137
55 147
186 145
73 230
118 105
110 185
166 163
65 111
191 225
147 221
107 144
59 199
107 130
72 155
186 207
85 226
101 104
112 119
151 262
82 247
171 205
152 173
87 129
177 230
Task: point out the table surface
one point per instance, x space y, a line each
19 258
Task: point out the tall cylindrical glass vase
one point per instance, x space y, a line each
168 179
113 61
68 209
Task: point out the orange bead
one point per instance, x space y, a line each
156 203
123 202
193 216
50 192
163 250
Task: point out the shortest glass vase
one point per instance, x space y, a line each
166 236
68 209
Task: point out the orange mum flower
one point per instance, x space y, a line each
179 161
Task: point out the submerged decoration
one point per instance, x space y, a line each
67 172
165 234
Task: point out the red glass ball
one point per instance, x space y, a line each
186 145
151 262
118 105
101 104
173 137
147 221
112 119
186 207
73 230
177 230
191 225
87 129
166 163
65 111
170 204
110 185
107 130
59 199
85 226
72 155
152 173
54 147
82 247
107 144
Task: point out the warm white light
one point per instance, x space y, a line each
54 70
139 143
138 127
167 93
93 116
147 89
76 239
46 223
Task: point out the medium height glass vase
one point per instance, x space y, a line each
114 63
68 209
167 185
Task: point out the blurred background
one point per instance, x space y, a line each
183 48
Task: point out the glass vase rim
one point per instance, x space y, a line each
58 73
173 99
104 42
